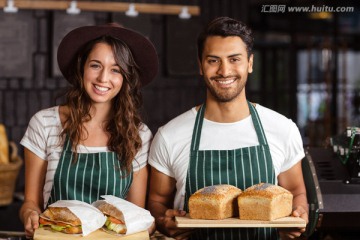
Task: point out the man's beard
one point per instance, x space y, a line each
225 95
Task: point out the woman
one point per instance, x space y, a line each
94 144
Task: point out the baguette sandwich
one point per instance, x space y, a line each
115 221
60 219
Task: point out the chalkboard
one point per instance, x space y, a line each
16 44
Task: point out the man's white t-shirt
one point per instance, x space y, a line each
42 137
170 148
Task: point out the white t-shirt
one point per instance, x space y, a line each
42 137
170 148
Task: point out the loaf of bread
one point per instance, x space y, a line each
264 201
214 202
4 146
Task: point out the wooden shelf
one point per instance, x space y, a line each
102 6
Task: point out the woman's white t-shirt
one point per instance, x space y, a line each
42 137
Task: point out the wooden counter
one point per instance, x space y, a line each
42 234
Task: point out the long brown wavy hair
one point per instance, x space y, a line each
125 120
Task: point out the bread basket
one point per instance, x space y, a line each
8 176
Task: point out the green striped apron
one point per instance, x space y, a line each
242 167
93 175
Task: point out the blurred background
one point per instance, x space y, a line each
306 66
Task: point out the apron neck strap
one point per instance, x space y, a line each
257 125
195 141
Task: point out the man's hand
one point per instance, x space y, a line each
160 204
167 225
293 181
291 233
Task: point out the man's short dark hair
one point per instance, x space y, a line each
226 27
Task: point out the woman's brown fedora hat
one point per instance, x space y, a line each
142 49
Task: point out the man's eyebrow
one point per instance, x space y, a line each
212 56
235 55
232 55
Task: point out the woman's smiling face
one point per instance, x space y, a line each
102 76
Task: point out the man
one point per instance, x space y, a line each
227 140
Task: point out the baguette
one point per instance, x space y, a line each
4 146
115 218
61 219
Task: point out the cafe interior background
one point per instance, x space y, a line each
306 67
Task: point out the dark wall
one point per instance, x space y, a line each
30 79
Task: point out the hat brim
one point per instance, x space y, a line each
142 49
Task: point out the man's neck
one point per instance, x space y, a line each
227 112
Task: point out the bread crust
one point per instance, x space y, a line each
264 201
214 202
111 210
61 214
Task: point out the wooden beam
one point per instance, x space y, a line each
40 5
102 6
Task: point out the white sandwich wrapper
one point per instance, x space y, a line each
136 218
91 218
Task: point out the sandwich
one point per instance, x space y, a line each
60 219
115 222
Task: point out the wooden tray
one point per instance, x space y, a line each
43 234
286 222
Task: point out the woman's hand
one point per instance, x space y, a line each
35 171
31 222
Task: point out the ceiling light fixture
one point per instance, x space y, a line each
131 12
73 9
184 14
10 7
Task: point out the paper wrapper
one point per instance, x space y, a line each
91 218
136 218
